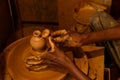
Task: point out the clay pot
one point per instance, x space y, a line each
37 42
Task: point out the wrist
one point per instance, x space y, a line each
77 73
84 39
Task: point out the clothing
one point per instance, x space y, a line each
100 21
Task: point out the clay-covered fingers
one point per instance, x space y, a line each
61 38
60 35
32 60
45 33
51 44
37 68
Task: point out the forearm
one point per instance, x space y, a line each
77 74
108 34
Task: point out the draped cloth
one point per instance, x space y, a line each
101 21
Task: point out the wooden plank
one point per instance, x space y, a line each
95 56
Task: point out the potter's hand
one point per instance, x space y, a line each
57 58
69 39
61 61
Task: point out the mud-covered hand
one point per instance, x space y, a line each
57 58
69 39
60 60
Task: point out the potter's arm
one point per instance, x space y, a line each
99 36
77 73
58 58
105 35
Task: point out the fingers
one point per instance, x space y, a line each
59 32
32 60
45 33
61 38
52 45
35 63
37 68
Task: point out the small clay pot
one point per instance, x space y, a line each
37 42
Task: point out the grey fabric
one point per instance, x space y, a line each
101 21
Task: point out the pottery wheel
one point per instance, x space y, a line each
15 55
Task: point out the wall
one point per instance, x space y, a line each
38 10
115 9
66 11
5 23
36 14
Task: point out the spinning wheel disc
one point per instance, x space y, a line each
16 54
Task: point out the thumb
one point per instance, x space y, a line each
51 43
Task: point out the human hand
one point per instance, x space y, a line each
57 58
69 39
